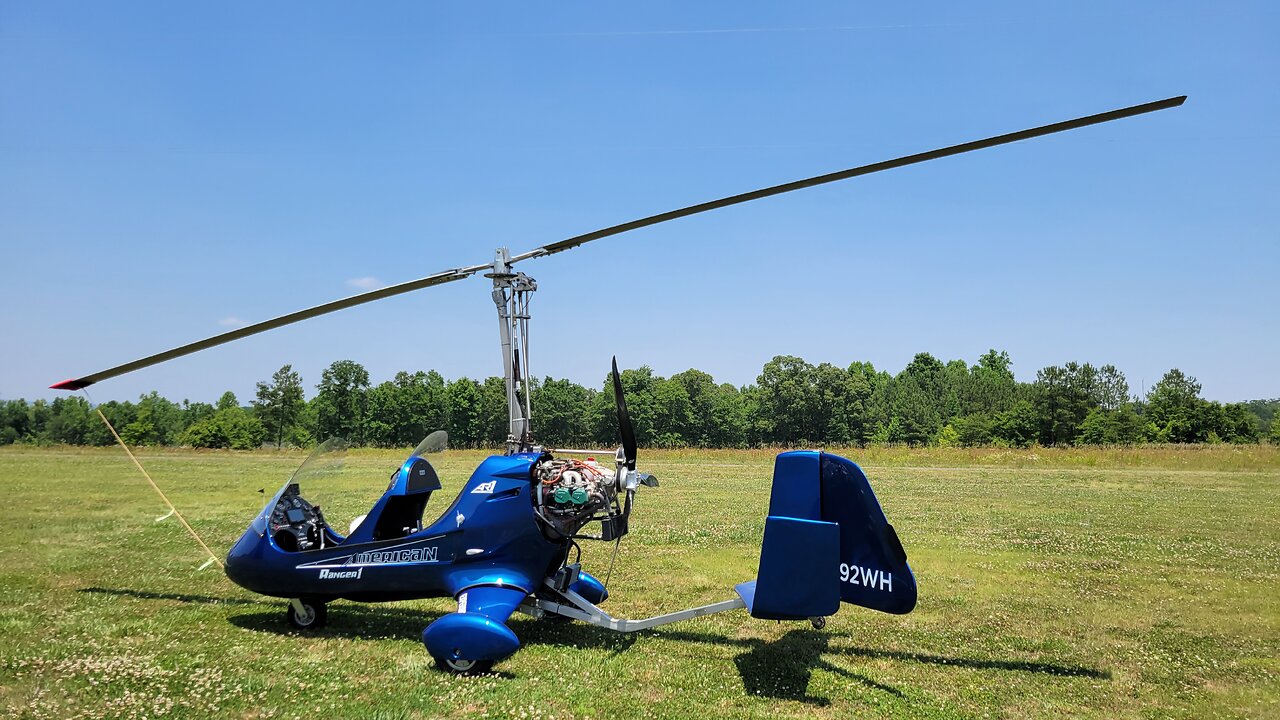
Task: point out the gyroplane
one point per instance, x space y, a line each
504 543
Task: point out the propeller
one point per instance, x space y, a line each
624 420
552 248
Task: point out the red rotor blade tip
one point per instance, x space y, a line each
72 384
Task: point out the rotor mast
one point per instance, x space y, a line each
511 294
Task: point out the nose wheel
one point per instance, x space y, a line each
458 666
306 614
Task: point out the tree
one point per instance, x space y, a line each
193 412
717 414
341 401
70 420
303 432
643 405
794 402
784 400
1101 426
834 400
703 394
495 420
1265 411
1017 426
869 401
1235 424
280 402
119 414
466 427
915 405
948 436
38 416
561 413
1172 408
13 421
1111 390
973 430
406 409
728 424
230 427
914 410
158 421
996 364
862 380
673 413
1062 399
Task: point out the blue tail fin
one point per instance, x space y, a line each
809 565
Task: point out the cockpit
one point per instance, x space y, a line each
296 524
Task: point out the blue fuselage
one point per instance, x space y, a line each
488 536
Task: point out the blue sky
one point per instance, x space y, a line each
170 169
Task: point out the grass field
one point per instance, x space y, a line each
1090 583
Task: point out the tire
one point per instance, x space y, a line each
314 617
818 622
464 667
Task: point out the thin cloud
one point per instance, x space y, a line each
366 284
232 321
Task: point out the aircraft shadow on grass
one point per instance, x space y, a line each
368 622
779 669
782 669
178 597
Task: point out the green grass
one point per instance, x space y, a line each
1090 583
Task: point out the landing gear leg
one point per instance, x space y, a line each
305 614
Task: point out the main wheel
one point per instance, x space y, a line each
458 666
818 622
313 614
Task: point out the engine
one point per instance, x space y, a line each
574 492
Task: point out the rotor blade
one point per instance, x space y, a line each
437 279
624 420
854 172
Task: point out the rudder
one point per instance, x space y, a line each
873 564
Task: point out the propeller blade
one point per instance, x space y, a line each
226 337
853 172
624 420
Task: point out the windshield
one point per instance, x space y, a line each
343 485
326 461
436 442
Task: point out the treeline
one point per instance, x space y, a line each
791 403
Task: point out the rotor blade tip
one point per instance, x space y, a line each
72 384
